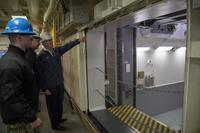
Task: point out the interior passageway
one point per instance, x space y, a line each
73 123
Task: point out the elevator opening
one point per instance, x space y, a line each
161 54
143 61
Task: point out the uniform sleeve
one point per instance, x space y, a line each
12 96
67 46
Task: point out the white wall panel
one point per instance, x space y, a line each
95 59
167 67
74 71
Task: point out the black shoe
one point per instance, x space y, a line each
59 128
63 120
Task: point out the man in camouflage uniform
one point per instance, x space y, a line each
18 93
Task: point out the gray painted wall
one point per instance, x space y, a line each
160 99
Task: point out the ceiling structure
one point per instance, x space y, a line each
33 9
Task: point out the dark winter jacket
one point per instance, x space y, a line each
50 67
18 93
31 57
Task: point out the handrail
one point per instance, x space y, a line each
104 97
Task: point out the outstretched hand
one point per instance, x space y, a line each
82 40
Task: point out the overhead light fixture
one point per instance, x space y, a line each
142 49
159 49
182 49
19 17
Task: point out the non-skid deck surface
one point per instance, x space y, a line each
138 120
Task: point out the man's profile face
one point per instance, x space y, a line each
24 40
27 40
48 44
35 43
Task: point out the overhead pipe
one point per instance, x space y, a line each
34 8
51 6
2 13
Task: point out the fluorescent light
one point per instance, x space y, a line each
142 49
159 49
19 17
182 49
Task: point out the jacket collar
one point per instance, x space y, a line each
51 52
16 49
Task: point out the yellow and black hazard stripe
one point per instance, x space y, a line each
138 120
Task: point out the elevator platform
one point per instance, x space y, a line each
139 121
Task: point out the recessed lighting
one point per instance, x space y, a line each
182 49
19 17
142 49
163 49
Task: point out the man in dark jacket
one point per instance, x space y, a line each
52 77
17 81
31 57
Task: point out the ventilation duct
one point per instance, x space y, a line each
164 31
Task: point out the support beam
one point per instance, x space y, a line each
192 79
2 13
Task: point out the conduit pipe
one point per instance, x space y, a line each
51 6
34 8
